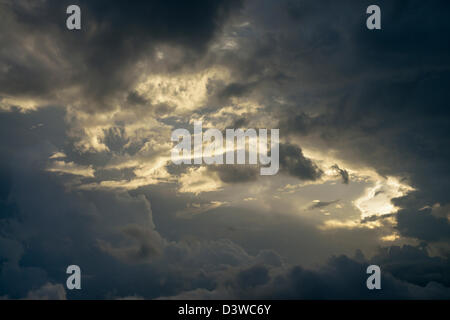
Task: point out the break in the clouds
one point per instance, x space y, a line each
86 175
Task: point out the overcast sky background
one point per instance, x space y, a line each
85 171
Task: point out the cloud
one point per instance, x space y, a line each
344 173
375 123
48 291
197 180
414 265
341 278
71 168
54 61
235 173
321 204
148 245
422 225
293 162
100 104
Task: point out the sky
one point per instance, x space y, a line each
86 176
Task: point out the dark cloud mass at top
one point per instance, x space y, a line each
102 58
85 122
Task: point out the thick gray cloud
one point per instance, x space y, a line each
59 59
344 174
392 114
414 265
235 173
48 292
423 225
322 204
372 99
292 162
296 164
112 236
341 278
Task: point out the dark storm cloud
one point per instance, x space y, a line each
343 173
240 123
329 283
45 227
377 98
341 278
414 265
54 227
236 90
377 217
293 162
322 204
134 98
407 140
235 173
115 139
254 276
114 37
423 225
112 236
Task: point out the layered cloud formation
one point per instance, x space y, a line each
85 170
